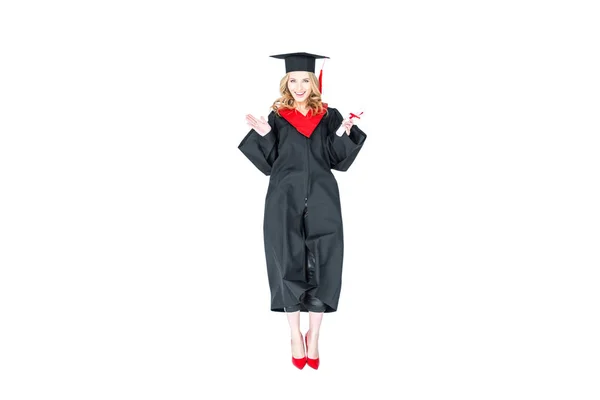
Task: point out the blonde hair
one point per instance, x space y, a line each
287 101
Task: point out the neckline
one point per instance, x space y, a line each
301 113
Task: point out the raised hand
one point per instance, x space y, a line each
259 125
347 124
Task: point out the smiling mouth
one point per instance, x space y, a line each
300 94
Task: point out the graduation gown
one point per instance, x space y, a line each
303 231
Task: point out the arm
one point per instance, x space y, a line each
343 148
261 150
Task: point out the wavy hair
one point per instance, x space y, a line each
287 101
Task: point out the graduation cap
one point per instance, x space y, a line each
301 62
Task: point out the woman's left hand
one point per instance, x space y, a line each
347 124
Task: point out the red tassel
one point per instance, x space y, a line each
321 78
321 81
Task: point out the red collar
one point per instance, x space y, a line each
304 124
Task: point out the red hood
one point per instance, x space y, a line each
304 124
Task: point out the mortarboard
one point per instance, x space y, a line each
301 62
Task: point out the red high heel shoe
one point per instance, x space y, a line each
299 362
312 362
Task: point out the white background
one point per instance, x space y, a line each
131 253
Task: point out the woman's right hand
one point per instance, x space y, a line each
261 126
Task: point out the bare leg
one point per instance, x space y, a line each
314 320
296 334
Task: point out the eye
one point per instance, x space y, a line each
306 81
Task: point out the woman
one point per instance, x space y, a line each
297 146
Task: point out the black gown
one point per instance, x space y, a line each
303 232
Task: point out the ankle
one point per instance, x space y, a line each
312 335
296 334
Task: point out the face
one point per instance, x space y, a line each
299 85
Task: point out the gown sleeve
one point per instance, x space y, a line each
343 149
261 150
